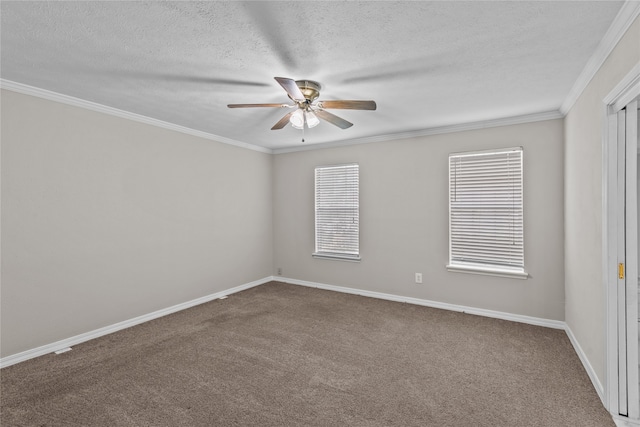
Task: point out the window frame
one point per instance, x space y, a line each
485 268
322 252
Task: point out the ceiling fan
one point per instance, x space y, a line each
307 110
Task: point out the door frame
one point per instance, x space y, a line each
624 92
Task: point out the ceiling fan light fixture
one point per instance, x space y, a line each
304 93
312 120
297 119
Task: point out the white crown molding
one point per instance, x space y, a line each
505 121
77 102
78 339
537 321
629 11
93 106
625 91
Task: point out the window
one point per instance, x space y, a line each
337 212
485 213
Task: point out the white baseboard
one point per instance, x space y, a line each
587 366
625 422
69 342
555 324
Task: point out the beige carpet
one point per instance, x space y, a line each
284 355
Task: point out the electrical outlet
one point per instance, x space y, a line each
418 277
279 271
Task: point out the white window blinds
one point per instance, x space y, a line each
485 210
337 211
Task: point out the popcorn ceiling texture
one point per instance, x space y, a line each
426 64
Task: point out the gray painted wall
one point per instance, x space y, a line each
105 219
586 304
404 220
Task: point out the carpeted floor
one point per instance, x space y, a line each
285 355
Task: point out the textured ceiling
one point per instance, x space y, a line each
426 64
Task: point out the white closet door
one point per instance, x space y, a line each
633 375
623 259
629 390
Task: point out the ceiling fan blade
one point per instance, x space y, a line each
208 80
256 105
348 105
333 119
282 122
182 78
291 87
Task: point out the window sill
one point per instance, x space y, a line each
336 257
523 275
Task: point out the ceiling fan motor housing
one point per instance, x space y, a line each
309 88
304 93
